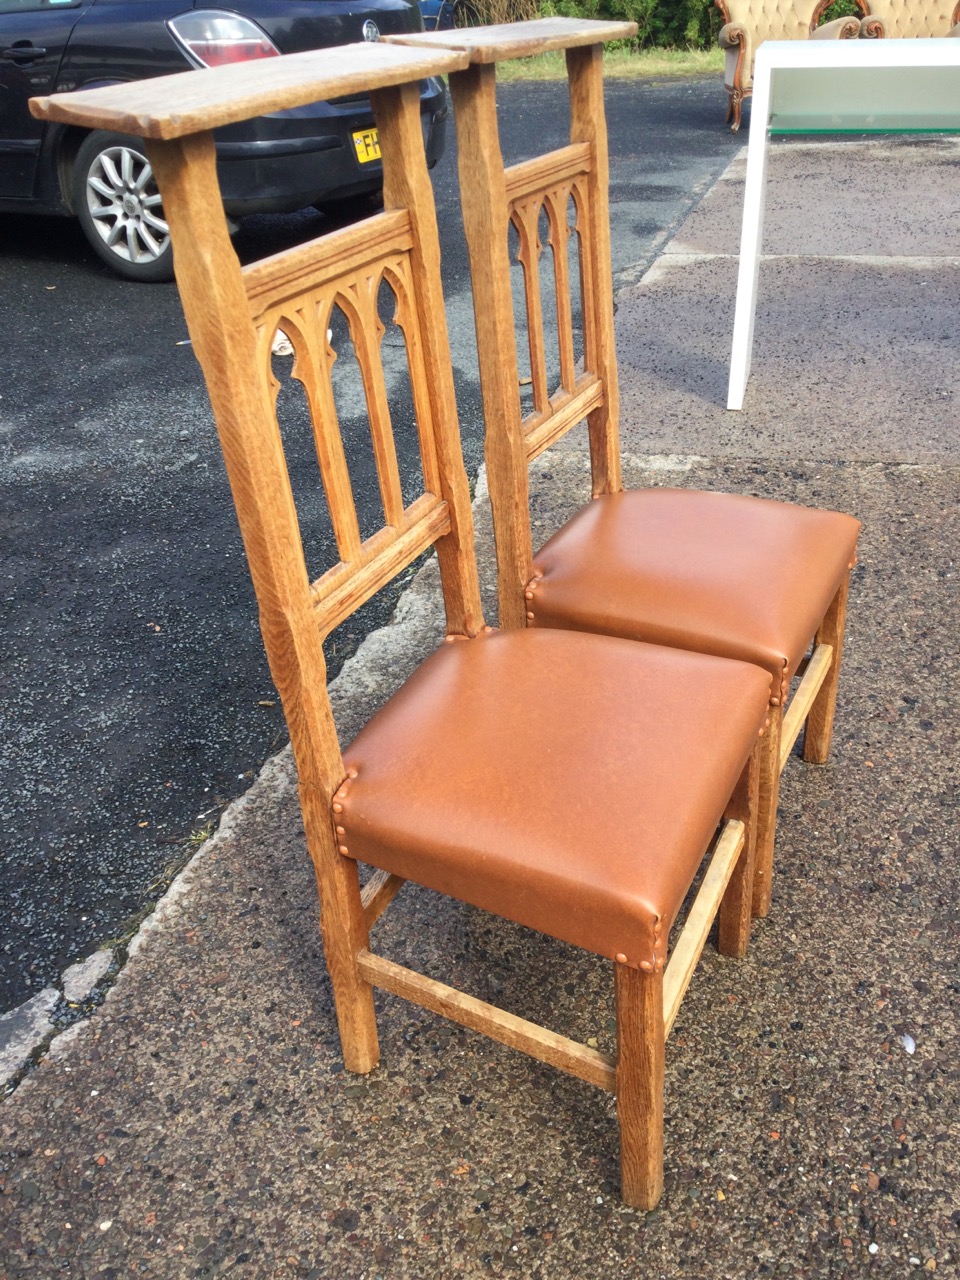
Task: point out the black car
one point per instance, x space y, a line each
315 155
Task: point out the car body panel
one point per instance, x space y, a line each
438 15
276 163
22 76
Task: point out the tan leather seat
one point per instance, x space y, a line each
568 782
692 569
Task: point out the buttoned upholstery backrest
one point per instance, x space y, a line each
772 19
906 19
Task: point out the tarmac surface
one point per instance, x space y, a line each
200 1123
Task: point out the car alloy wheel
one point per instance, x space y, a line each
119 207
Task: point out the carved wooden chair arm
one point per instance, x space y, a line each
731 35
839 29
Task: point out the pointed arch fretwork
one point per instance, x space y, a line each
406 318
555 201
306 327
299 293
548 186
525 216
358 300
583 230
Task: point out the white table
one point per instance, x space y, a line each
843 86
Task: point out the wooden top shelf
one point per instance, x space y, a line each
193 101
519 39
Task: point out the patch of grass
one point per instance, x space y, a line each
622 64
200 835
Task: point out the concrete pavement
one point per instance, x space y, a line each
200 1122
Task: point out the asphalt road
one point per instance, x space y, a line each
136 699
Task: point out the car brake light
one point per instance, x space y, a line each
212 38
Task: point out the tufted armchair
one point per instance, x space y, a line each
747 23
905 19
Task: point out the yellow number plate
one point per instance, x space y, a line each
367 144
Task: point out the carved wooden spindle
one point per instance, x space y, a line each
525 216
360 305
555 203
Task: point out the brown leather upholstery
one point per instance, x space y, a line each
735 576
568 782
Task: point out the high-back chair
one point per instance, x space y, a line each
568 782
747 23
718 573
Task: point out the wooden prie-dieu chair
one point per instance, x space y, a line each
569 782
736 576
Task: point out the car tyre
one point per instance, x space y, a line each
115 196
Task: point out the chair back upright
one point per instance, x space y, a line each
233 314
549 201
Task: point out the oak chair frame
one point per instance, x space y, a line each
493 197
232 314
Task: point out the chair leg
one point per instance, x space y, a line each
640 1066
819 730
736 905
353 1002
769 769
736 110
343 925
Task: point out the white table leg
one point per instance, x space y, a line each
750 239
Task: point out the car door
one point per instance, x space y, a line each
33 36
